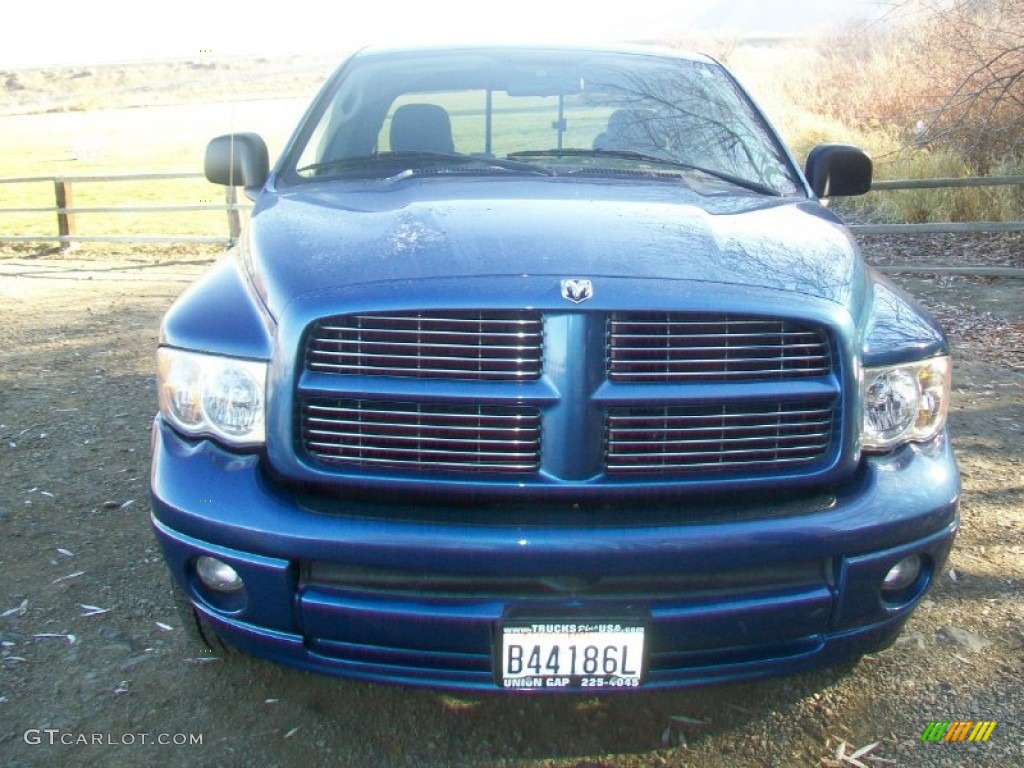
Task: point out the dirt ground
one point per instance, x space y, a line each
95 669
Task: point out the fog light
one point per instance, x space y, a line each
217 575
903 574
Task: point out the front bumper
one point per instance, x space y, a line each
421 601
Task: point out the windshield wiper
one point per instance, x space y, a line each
579 152
628 154
404 157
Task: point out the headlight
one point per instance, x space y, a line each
210 395
904 403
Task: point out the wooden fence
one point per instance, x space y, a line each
65 211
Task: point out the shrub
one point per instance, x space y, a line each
938 92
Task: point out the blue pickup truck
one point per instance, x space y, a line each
547 369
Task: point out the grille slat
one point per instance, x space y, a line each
640 376
721 455
423 430
453 351
416 454
421 436
666 347
435 464
698 423
395 442
719 465
385 410
714 348
381 370
720 437
476 345
668 447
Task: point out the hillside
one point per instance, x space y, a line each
160 83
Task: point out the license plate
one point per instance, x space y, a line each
571 655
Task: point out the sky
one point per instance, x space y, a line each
83 32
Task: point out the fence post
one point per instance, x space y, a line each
65 221
234 220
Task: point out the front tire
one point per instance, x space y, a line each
197 631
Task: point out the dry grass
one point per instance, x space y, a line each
804 102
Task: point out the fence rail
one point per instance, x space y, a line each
948 227
66 211
959 181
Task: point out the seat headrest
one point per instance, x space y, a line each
421 128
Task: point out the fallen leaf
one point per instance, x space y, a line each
864 750
74 575
71 639
92 610
19 610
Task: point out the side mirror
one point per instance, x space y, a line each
838 170
237 160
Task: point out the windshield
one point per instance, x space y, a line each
555 113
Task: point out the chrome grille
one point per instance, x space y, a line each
420 436
717 438
464 392
475 345
676 347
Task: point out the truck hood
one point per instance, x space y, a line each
337 236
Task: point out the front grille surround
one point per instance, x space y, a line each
599 400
